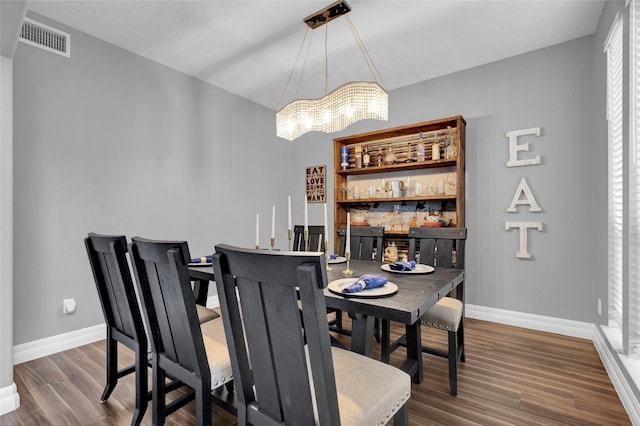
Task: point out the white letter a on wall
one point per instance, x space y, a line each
523 189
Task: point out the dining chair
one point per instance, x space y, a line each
316 238
181 347
287 373
367 243
316 243
108 259
438 247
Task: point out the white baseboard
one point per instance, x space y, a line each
9 399
54 344
609 358
62 342
565 327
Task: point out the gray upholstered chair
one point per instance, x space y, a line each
287 373
439 247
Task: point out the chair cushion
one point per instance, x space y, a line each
215 344
206 314
369 391
446 314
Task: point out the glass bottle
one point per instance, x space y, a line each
358 152
390 158
435 148
380 159
366 158
451 147
421 149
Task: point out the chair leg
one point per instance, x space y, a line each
141 385
203 405
453 362
111 367
461 340
385 340
159 391
401 418
338 314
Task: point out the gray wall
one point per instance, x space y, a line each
552 89
110 142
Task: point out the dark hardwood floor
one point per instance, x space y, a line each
512 376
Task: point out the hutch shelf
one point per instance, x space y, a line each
412 173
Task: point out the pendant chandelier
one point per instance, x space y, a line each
351 102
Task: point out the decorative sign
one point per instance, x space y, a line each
523 194
317 184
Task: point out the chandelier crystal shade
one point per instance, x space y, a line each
351 102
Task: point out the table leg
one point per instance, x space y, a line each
362 333
413 364
201 291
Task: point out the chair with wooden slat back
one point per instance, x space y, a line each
287 373
316 243
182 348
108 259
366 242
438 247
316 238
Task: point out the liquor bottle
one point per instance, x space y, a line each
358 151
390 158
366 158
380 159
435 149
421 149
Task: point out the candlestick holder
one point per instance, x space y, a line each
273 243
289 234
326 254
306 239
347 271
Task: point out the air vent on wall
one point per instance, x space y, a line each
45 37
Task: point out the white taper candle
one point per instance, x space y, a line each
257 230
347 248
273 222
289 212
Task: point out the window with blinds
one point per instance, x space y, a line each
614 52
634 182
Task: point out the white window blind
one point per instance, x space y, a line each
614 52
634 181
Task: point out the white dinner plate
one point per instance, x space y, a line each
200 264
419 269
386 290
339 259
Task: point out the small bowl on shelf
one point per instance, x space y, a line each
432 224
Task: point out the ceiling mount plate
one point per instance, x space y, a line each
329 13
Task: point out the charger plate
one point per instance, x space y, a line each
336 287
418 269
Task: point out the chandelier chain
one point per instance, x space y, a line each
365 53
293 69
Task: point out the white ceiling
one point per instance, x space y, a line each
249 47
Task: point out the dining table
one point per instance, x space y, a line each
416 294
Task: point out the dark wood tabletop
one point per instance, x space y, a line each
416 294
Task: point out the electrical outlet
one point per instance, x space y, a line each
68 306
599 306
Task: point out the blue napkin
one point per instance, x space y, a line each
365 281
206 259
402 266
333 256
